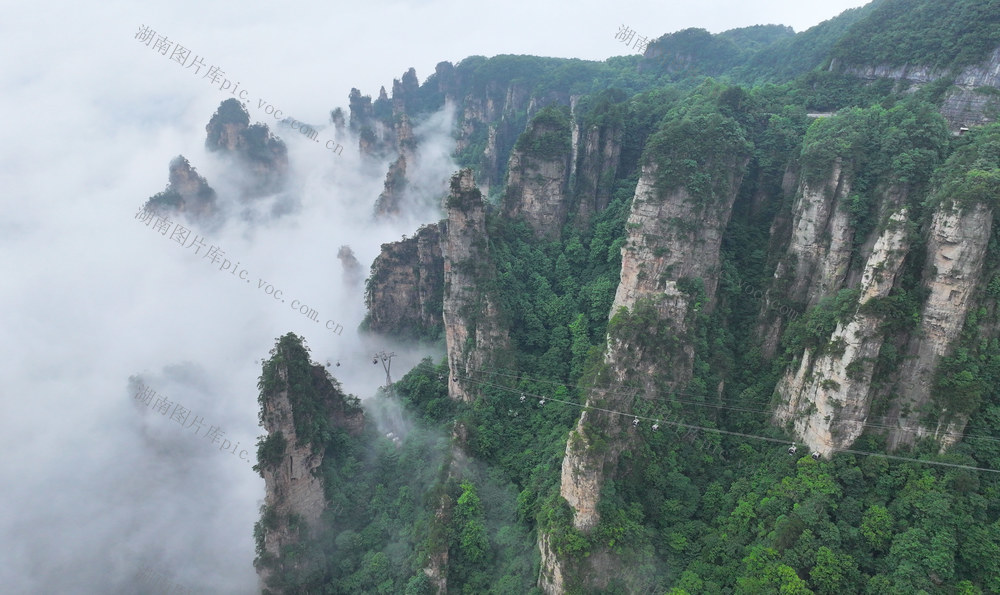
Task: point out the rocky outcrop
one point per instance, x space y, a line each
671 241
405 92
538 175
668 238
550 577
493 111
294 496
972 101
352 273
820 247
373 127
262 157
659 251
956 245
187 193
498 117
362 113
826 397
596 155
816 258
975 99
583 470
390 202
471 318
404 294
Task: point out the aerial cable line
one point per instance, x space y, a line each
540 380
740 434
869 425
659 421
668 399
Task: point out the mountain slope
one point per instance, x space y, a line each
699 339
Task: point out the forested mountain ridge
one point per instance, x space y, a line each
652 283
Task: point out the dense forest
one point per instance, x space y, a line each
706 492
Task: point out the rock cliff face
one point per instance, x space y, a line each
550 576
559 170
405 290
294 496
187 193
659 251
670 239
261 156
826 397
492 112
817 257
815 261
258 159
599 148
498 117
389 203
471 318
955 249
826 393
967 104
538 177
352 273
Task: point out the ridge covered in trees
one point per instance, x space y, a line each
467 486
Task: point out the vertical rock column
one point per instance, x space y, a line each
404 291
538 174
471 318
294 494
956 246
671 238
668 239
826 396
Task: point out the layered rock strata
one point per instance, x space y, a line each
956 246
826 396
471 318
670 239
405 290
